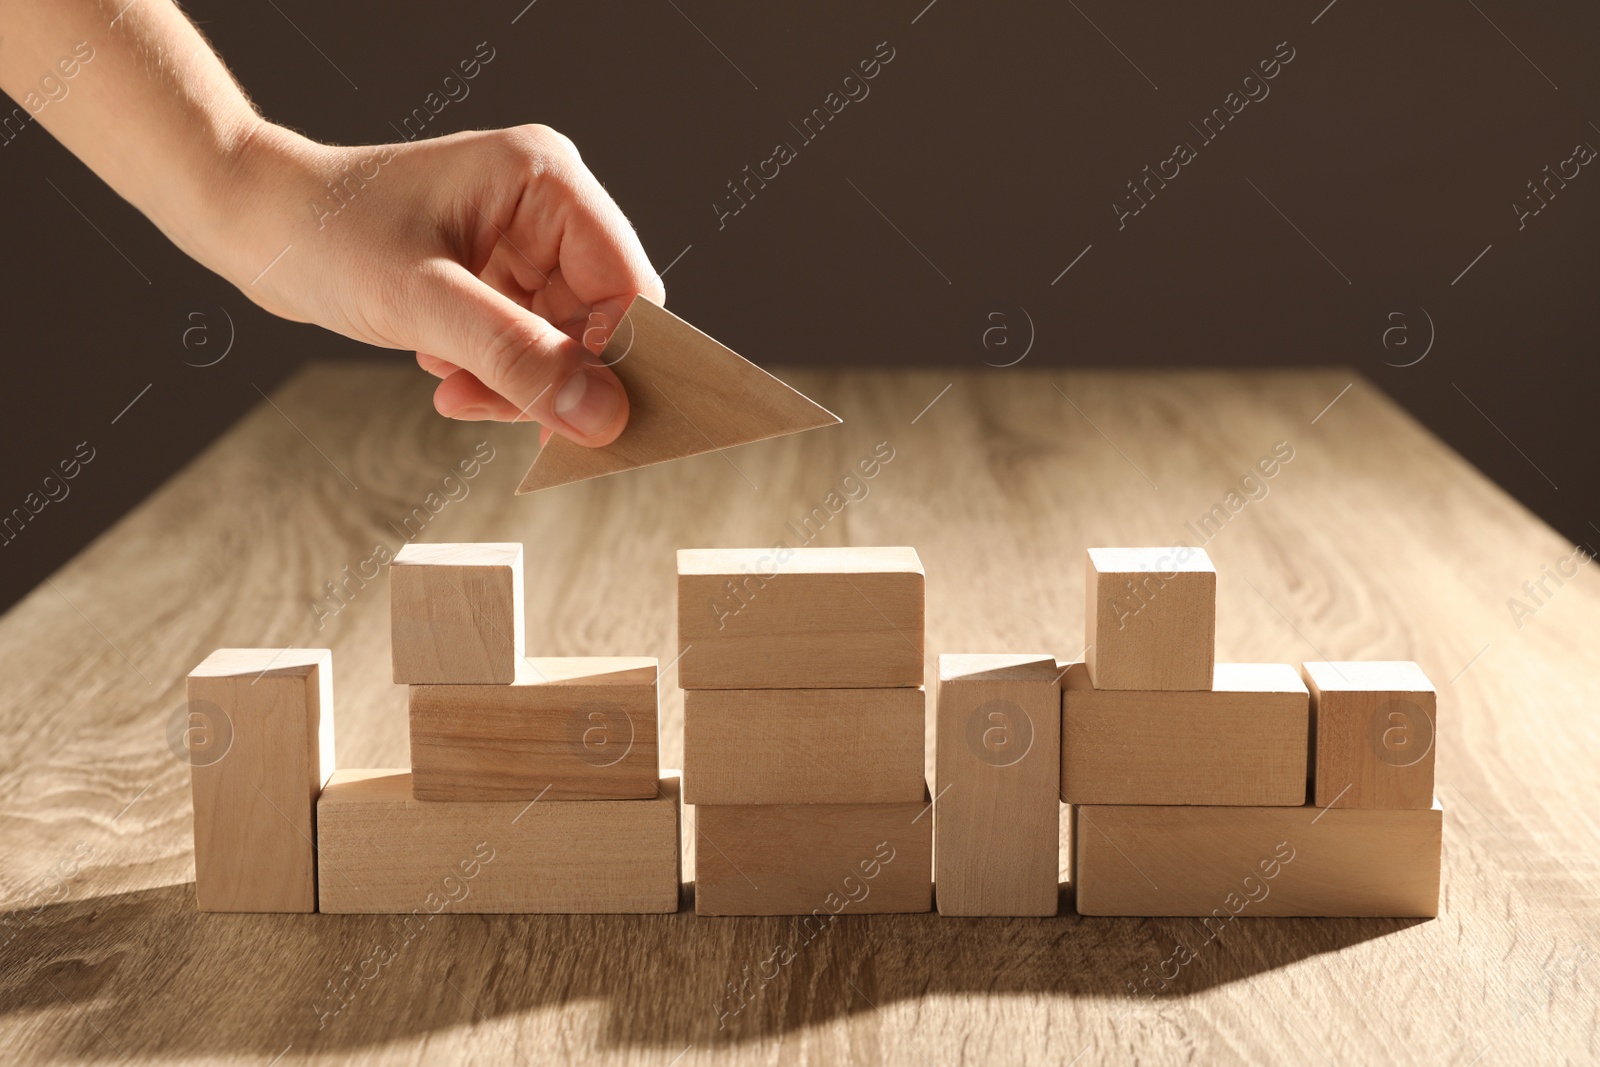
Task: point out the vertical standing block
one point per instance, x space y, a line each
1151 618
260 748
805 618
457 614
568 728
1373 725
998 758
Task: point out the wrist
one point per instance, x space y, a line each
253 204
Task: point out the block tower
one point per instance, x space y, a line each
804 713
533 785
1189 779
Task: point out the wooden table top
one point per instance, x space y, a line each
1374 541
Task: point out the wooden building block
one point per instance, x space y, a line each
687 394
816 618
800 859
998 764
1151 618
1243 741
803 746
1373 725
1224 862
567 728
384 851
457 614
260 746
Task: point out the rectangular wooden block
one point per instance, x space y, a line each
567 728
814 618
260 746
1374 728
1244 741
457 613
384 851
796 859
1224 862
998 774
1151 618
803 746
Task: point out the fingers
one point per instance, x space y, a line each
462 396
436 366
504 352
601 261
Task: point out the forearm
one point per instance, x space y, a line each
488 253
136 93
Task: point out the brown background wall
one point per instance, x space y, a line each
985 159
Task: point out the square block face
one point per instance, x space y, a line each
803 746
998 767
457 614
567 728
1242 742
1374 725
808 618
805 859
1151 618
1226 862
260 725
384 851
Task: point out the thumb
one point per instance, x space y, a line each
540 372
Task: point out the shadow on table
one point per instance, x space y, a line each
143 973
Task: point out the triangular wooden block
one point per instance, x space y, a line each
687 394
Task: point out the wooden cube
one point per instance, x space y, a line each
260 746
1151 618
1226 862
384 851
805 618
803 746
998 775
1374 726
1242 742
567 728
457 614
813 859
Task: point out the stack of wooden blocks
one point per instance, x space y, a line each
803 746
1196 788
533 787
1189 779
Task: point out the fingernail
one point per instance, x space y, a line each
471 413
588 402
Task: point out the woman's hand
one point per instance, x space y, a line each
495 255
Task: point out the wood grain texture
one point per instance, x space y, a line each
458 613
998 773
803 746
1245 741
688 394
1375 724
800 618
1374 542
260 743
1150 617
566 728
383 851
1225 862
813 859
